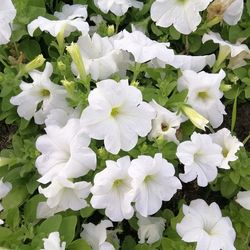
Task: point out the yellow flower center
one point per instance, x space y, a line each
114 112
225 152
45 93
203 95
164 127
117 183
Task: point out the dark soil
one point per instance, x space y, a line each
5 134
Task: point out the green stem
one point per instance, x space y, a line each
60 41
234 112
137 70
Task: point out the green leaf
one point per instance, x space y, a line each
128 243
79 245
86 212
67 228
4 233
52 224
228 188
13 218
30 207
15 197
30 47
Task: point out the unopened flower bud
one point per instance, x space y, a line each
197 119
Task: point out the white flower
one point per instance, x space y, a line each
238 52
96 235
117 114
233 13
114 184
60 117
143 48
229 10
186 62
204 224
65 152
5 188
71 18
118 7
204 94
243 198
166 123
7 15
63 194
153 181
200 157
96 52
150 228
229 144
41 90
44 211
53 242
183 14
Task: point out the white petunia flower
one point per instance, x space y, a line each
96 235
200 157
53 242
229 144
96 52
44 211
118 7
5 188
117 114
65 152
165 124
7 15
243 198
63 194
204 224
186 62
153 181
60 117
143 48
114 184
229 10
150 229
71 18
183 14
236 52
43 91
204 94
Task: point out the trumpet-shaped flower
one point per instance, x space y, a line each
150 228
153 181
63 194
243 198
114 184
53 242
200 157
237 53
96 235
143 48
165 124
96 52
229 144
117 114
60 117
183 14
7 15
185 62
40 91
65 152
204 94
229 10
118 7
204 224
71 18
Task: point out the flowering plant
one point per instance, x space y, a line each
124 124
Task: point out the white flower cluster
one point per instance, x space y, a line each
5 188
118 115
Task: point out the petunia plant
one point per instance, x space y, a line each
124 124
